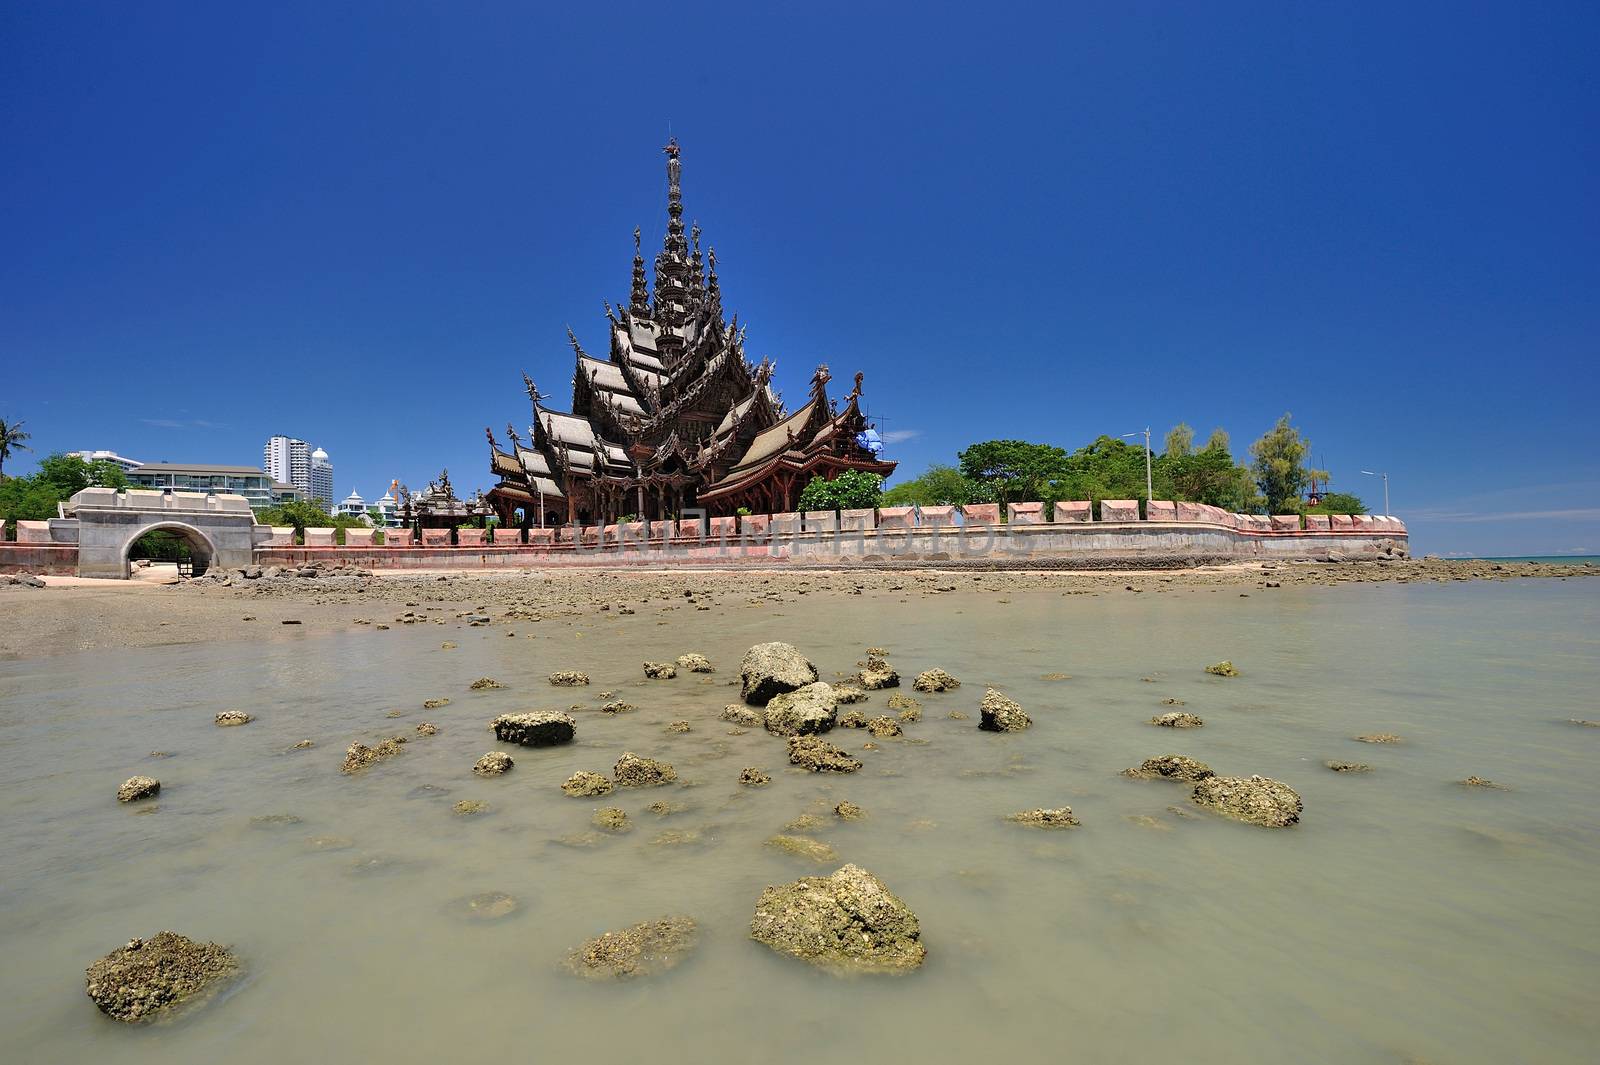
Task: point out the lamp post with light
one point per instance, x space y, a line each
1149 492
1385 477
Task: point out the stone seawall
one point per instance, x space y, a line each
1097 545
53 560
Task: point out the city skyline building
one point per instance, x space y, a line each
112 457
321 479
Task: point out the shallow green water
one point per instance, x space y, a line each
1405 918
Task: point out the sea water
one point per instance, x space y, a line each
1406 918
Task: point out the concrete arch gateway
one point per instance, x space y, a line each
221 528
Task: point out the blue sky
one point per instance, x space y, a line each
360 224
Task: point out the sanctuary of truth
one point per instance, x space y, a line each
676 416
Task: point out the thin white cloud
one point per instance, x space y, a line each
162 423
1574 514
900 436
174 423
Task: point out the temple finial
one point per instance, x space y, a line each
639 298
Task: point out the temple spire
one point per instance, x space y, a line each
672 264
639 298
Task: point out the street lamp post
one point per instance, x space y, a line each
1149 492
1385 477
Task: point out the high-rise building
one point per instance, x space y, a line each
107 456
321 478
288 459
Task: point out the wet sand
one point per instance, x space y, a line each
75 614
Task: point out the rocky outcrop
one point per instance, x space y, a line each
695 662
751 777
660 670
820 756
632 771
741 715
770 669
1256 800
1170 767
849 922
1348 767
807 710
1222 669
230 718
1001 714
849 811
617 706
611 819
848 694
1480 782
679 726
878 674
359 756
1060 817
884 727
643 950
483 684
1379 737
1177 719
852 719
427 728
901 701
586 785
468 807
149 976
493 764
935 680
800 847
435 704
135 788
541 728
568 678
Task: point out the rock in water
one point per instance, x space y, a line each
801 847
493 764
1177 719
359 756
770 669
568 678
847 923
1001 714
877 675
1060 817
901 701
632 771
807 710
1170 767
611 819
752 777
1348 767
820 756
585 785
695 662
935 680
136 788
884 727
135 982
660 670
1222 669
645 949
233 717
483 684
849 811
541 728
1256 800
741 715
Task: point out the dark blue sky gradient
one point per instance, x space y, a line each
360 223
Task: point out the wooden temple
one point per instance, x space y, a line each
675 416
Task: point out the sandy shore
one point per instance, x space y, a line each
74 614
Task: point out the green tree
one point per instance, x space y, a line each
850 490
938 486
1338 503
1180 440
1004 471
1219 439
12 438
1279 463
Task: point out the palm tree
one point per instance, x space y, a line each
11 437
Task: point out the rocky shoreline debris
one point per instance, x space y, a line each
150 976
849 922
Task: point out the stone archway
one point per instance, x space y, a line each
202 551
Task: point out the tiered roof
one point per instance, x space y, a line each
676 408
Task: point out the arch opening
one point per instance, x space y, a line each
170 543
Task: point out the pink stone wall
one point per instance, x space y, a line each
1317 523
319 537
470 537
755 526
689 529
1119 510
436 537
820 521
33 532
1025 513
358 537
935 517
785 523
1161 510
896 517
1073 510
724 528
541 537
858 520
60 560
981 513
1286 523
